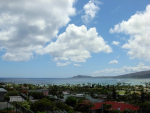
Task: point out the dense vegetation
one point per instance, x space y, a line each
137 95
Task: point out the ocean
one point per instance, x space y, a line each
61 81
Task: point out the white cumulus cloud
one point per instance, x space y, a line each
91 8
124 70
63 64
115 43
77 65
138 27
113 62
28 25
76 44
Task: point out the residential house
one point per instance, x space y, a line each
2 93
115 105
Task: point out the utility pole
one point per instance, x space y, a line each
16 107
102 107
7 106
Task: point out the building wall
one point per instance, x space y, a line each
16 98
2 94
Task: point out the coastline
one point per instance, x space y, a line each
60 81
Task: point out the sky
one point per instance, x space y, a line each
65 38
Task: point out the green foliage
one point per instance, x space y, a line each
56 91
12 93
43 105
145 107
71 101
80 100
41 112
104 91
114 93
6 98
70 112
62 106
25 104
142 95
8 108
115 111
107 106
1 86
84 106
127 92
49 98
37 95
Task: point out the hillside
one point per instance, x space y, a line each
141 74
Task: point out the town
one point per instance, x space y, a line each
74 98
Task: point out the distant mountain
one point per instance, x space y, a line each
141 74
81 76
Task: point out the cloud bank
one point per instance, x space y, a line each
138 27
76 44
27 25
124 70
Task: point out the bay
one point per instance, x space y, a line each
60 81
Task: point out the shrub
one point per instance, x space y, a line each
6 98
62 106
37 95
43 105
71 101
8 108
12 93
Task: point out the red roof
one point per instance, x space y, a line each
115 105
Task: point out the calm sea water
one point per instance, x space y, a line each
59 81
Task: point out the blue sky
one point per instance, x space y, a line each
64 38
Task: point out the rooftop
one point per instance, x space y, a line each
115 105
3 90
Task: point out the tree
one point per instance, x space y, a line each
115 111
142 95
43 105
107 106
127 92
54 90
62 106
41 112
145 107
6 98
114 93
86 105
36 95
12 93
71 101
83 106
26 104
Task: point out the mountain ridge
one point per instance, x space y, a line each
140 74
